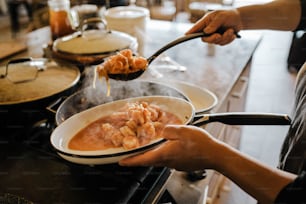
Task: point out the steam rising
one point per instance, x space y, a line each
91 96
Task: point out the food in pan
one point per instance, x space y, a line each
134 125
122 63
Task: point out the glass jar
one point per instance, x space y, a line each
59 18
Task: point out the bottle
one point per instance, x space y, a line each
59 18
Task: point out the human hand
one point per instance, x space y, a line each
187 148
227 19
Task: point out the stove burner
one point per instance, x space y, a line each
31 170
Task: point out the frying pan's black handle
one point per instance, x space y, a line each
241 118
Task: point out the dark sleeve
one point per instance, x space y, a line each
302 24
293 193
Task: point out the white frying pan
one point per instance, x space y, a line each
180 107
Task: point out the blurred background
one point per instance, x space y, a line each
270 81
20 16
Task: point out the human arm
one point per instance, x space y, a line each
190 148
277 15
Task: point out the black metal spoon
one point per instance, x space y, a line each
134 75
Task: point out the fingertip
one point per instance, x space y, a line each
130 161
141 159
213 39
123 162
188 32
208 30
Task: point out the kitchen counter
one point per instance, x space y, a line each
216 68
219 69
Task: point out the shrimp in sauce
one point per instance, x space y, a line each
122 63
134 125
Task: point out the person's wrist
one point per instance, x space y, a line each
221 153
216 153
239 19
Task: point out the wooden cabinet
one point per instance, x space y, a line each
235 102
209 188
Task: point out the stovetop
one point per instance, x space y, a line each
31 171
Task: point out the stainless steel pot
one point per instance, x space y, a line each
28 85
26 80
90 97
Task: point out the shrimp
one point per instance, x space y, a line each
136 114
122 63
138 63
128 54
130 142
108 131
133 125
116 64
146 133
126 131
117 139
156 112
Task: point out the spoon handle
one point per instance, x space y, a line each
180 40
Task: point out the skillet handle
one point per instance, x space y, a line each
52 107
242 118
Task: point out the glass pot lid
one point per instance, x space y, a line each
94 41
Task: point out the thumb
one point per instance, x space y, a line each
171 132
